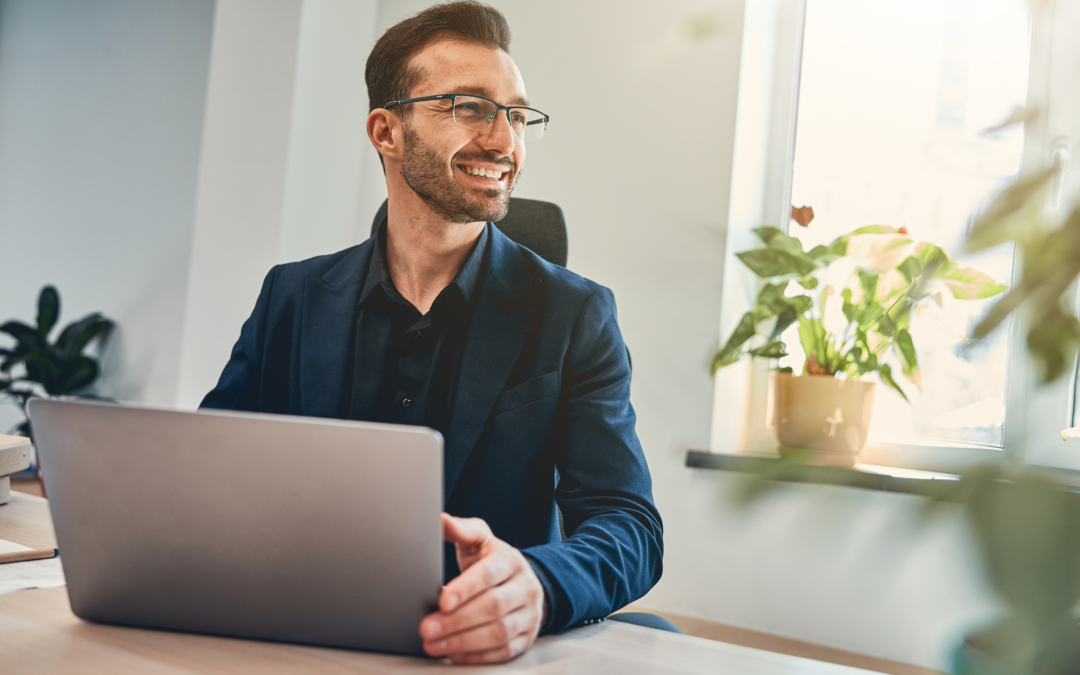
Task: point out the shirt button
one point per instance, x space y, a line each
406 402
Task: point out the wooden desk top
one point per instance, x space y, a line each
39 634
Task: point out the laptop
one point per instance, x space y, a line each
296 529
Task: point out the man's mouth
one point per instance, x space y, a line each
484 173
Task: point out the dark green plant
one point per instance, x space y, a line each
877 275
36 366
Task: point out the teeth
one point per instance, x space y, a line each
486 173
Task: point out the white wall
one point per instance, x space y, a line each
281 164
100 120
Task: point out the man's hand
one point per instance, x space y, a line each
491 612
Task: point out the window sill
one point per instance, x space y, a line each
863 476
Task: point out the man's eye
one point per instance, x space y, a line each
517 118
467 107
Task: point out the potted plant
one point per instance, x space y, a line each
36 366
852 302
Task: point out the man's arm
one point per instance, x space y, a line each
238 386
614 553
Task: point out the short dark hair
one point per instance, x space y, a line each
388 74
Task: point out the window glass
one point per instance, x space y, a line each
893 100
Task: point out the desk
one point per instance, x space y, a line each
39 634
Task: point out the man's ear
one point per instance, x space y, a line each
384 130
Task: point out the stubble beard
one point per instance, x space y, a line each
425 172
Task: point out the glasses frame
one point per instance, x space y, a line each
451 97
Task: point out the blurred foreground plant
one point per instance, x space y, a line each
1049 256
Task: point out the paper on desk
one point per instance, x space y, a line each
32 574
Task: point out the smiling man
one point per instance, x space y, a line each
440 320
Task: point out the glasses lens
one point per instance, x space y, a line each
527 124
474 113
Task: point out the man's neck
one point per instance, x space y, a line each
424 252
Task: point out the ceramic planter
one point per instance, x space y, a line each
831 417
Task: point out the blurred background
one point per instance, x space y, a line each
157 158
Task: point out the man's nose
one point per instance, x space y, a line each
499 137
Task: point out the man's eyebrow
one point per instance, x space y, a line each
486 93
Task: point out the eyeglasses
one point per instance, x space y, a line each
477 112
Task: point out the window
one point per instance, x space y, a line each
884 105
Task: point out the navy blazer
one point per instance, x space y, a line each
542 414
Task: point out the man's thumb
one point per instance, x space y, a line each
467 531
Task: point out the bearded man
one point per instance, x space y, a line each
440 320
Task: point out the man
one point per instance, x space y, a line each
442 321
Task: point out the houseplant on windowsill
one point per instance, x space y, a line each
852 301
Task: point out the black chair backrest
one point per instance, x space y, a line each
536 225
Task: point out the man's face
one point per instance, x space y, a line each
441 158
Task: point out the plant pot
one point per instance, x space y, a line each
827 416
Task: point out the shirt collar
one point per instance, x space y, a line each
466 278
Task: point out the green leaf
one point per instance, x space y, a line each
869 365
838 247
77 335
796 307
770 301
874 229
808 282
934 260
848 307
1053 341
768 263
966 283
886 326
48 310
906 348
826 255
732 350
773 350
766 233
885 373
1011 215
75 374
27 338
43 369
911 268
868 280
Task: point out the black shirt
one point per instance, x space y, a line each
403 365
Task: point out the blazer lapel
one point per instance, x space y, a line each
325 329
500 323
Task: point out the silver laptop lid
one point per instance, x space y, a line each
284 528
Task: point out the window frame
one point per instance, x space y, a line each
761 193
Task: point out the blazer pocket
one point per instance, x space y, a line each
533 390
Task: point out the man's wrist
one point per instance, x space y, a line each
546 584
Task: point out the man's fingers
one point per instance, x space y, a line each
486 573
486 606
490 636
506 652
468 531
